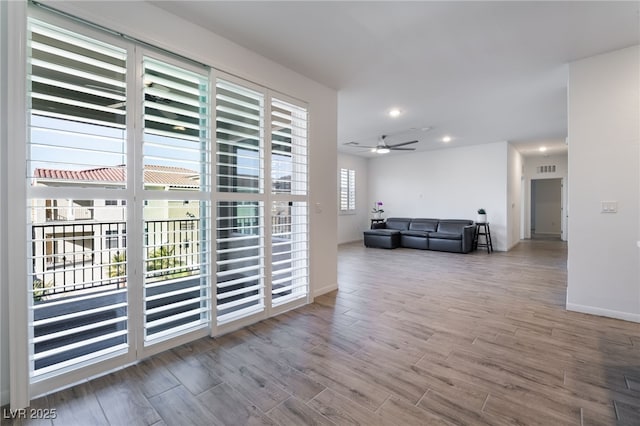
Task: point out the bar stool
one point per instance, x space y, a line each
482 228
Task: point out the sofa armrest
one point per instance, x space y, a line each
468 233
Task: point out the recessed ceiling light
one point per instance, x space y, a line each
395 112
542 149
446 139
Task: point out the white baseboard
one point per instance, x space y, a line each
593 310
326 289
351 241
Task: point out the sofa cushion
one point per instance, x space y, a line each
429 225
445 235
382 232
412 233
399 223
453 226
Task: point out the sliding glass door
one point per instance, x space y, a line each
148 226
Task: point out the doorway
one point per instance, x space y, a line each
546 209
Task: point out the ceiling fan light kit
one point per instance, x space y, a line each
383 147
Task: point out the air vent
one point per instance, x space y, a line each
546 169
351 143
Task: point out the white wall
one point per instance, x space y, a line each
447 184
531 164
547 207
155 26
350 226
514 195
604 165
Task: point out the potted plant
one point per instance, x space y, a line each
377 210
482 216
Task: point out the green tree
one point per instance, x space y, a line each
118 265
162 259
40 289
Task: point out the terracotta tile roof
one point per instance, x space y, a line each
153 175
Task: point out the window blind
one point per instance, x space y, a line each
288 148
290 267
240 259
239 136
77 93
347 189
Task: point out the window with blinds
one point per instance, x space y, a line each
347 190
288 148
289 253
289 215
176 141
121 201
176 272
78 115
239 136
79 281
240 259
176 153
78 274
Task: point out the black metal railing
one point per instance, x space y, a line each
172 248
73 256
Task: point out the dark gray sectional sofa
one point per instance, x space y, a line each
453 235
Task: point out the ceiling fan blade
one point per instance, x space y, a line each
403 143
357 145
401 149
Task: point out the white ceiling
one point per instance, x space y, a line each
480 72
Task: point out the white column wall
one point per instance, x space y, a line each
514 195
604 165
350 226
450 183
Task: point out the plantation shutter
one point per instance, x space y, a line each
289 211
240 239
78 275
288 148
77 94
239 135
347 189
240 259
176 152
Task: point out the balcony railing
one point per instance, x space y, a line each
71 256
83 256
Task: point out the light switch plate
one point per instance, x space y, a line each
609 207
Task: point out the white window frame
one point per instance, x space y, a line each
347 191
100 364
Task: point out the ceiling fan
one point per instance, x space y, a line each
383 148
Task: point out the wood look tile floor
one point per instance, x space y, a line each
411 338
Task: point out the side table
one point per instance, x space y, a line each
482 229
376 221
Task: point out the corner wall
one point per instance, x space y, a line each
604 165
350 226
451 183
